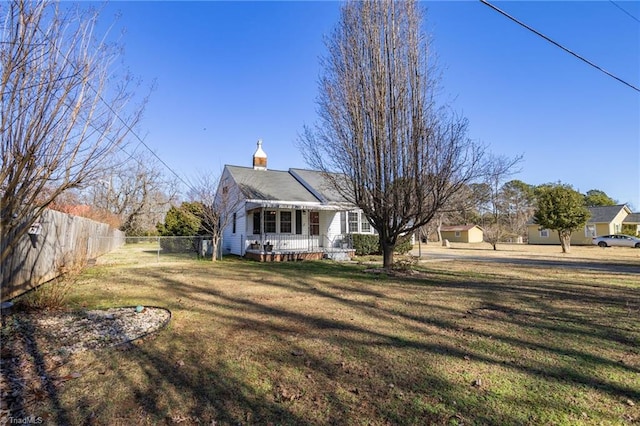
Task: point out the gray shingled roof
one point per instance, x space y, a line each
604 214
270 185
317 183
632 218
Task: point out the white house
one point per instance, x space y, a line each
285 214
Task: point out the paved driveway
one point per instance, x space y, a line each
529 259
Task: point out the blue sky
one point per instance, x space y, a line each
230 73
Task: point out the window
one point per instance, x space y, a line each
270 221
314 223
343 222
457 234
257 229
590 231
285 222
234 222
617 227
365 226
298 222
544 233
353 222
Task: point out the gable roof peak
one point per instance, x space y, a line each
605 214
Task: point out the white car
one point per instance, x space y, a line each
616 240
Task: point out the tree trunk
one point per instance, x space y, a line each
387 254
214 248
565 241
438 229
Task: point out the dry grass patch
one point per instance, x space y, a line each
463 342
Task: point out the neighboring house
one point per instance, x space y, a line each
462 233
604 220
286 214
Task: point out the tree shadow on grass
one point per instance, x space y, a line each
334 360
24 372
344 331
213 392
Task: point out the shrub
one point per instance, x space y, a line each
405 264
48 296
366 244
53 295
404 245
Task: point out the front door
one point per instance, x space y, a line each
314 223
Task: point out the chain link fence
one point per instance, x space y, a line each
144 250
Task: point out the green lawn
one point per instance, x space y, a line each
326 343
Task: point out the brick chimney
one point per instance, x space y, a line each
259 158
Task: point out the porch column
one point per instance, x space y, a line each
262 230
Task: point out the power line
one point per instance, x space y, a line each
114 112
43 83
559 45
624 10
136 135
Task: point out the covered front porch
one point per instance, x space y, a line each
286 247
283 231
291 232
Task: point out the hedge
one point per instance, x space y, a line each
404 246
365 244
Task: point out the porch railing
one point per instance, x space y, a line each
294 242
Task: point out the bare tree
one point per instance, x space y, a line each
460 209
136 191
64 108
220 204
401 157
518 204
499 169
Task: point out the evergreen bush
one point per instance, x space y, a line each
365 244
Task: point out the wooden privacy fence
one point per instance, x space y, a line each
58 241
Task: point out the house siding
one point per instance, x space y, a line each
451 236
333 228
535 238
603 229
472 235
577 238
475 235
617 221
234 243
